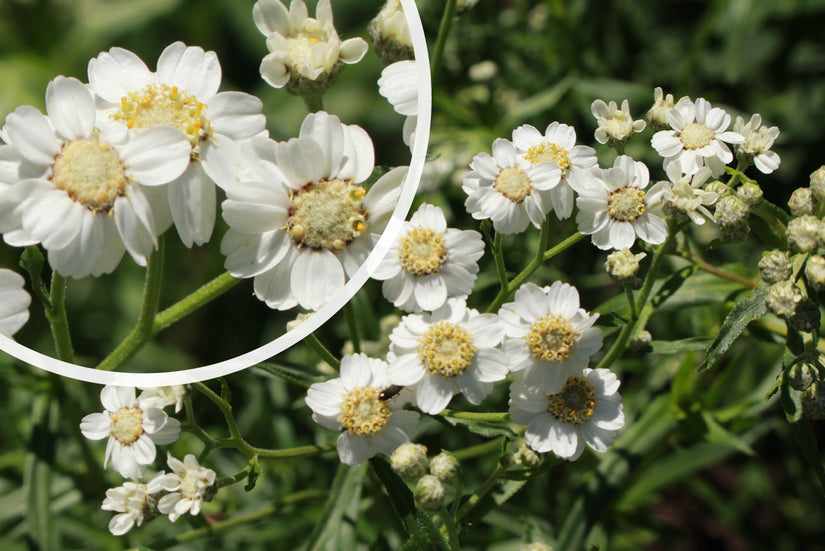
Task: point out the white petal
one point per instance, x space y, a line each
157 155
70 107
316 277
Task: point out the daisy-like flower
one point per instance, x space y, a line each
616 126
684 196
299 223
399 84
351 403
549 336
391 34
614 207
661 108
183 93
509 191
304 50
133 430
163 396
133 502
758 142
187 484
698 137
85 197
586 410
14 302
558 147
449 351
429 262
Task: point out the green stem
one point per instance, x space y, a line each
58 320
323 352
207 293
450 528
476 416
482 491
631 303
443 33
479 449
314 102
352 325
498 255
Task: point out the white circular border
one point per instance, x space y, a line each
409 188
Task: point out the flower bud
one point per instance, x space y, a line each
802 375
783 297
801 202
622 265
662 106
803 233
526 458
815 272
640 341
813 401
806 318
731 211
390 33
719 188
429 493
751 194
775 266
445 467
818 184
409 460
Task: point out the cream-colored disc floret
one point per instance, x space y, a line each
362 413
127 425
551 338
696 136
547 151
164 105
91 173
327 214
575 403
422 251
626 204
514 184
446 349
299 46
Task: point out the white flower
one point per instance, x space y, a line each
85 198
509 190
351 402
187 485
697 138
449 351
299 223
758 143
429 262
302 47
390 32
548 335
586 410
14 302
661 108
134 503
684 196
182 93
133 430
399 84
163 396
614 208
557 146
616 126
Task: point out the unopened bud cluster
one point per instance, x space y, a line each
410 462
622 267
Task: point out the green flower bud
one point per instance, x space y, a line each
409 461
775 266
818 184
429 493
751 194
783 297
445 467
803 234
801 202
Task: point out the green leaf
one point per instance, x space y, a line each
768 227
254 473
335 528
691 344
487 429
503 492
32 261
745 311
37 477
226 394
300 377
720 435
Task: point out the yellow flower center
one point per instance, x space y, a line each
514 184
327 215
547 151
91 173
446 349
551 338
127 425
164 105
696 136
422 251
362 413
626 204
575 403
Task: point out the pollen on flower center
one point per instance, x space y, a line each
626 204
91 173
300 48
127 425
362 413
551 338
164 105
514 184
327 214
446 349
696 136
547 151
422 251
575 403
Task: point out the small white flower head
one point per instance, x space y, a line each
390 33
775 266
449 351
750 193
587 410
659 111
399 84
815 272
445 467
803 233
801 202
429 262
409 460
182 93
756 148
84 185
510 192
616 126
783 298
133 430
622 265
305 53
698 137
14 302
133 502
614 207
299 223
818 184
163 396
556 147
549 336
351 403
684 197
429 493
188 486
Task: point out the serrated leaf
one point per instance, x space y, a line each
333 530
751 308
300 377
